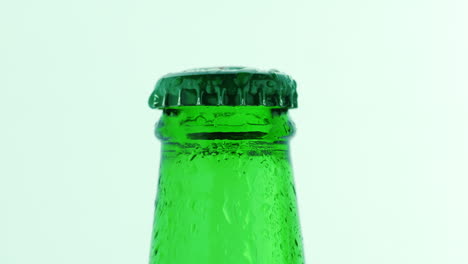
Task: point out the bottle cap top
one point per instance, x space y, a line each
231 86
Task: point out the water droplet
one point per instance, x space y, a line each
226 213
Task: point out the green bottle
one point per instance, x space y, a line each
226 191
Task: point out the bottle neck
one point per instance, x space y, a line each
226 192
235 124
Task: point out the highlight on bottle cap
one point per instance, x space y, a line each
229 86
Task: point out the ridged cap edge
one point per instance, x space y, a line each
231 86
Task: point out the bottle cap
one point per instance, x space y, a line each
229 86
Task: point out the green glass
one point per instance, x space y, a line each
226 192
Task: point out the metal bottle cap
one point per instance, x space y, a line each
229 86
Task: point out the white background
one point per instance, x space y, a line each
380 153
